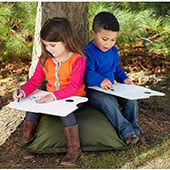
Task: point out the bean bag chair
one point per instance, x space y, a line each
95 130
96 133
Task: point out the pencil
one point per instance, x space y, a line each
18 92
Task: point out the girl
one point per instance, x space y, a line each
63 65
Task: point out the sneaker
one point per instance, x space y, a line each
141 138
132 140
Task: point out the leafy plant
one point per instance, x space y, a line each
17 20
161 44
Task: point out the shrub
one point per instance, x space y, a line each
17 20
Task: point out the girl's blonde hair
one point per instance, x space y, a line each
55 30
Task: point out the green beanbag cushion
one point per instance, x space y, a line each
96 133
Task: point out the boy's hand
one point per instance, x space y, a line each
128 81
106 84
16 97
45 99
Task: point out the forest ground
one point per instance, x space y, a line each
151 71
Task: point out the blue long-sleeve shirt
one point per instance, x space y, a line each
101 65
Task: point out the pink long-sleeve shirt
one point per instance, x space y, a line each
64 79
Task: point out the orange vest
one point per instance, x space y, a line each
58 74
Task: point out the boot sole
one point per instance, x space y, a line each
72 164
28 157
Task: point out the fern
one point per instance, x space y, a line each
17 20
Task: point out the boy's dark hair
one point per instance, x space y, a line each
105 20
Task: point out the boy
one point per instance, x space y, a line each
102 68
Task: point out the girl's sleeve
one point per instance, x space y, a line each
75 80
34 82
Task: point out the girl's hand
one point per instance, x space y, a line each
19 96
128 81
45 99
106 84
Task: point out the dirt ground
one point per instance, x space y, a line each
154 113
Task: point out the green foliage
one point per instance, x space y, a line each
162 43
145 22
158 8
17 20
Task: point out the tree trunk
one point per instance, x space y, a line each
76 12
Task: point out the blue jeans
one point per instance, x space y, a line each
67 121
125 122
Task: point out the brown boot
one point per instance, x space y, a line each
27 135
73 146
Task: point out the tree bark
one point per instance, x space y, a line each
76 12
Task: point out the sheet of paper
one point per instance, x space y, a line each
56 108
131 92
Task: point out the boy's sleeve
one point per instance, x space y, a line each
120 75
75 80
91 77
34 82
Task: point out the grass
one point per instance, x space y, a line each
134 157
